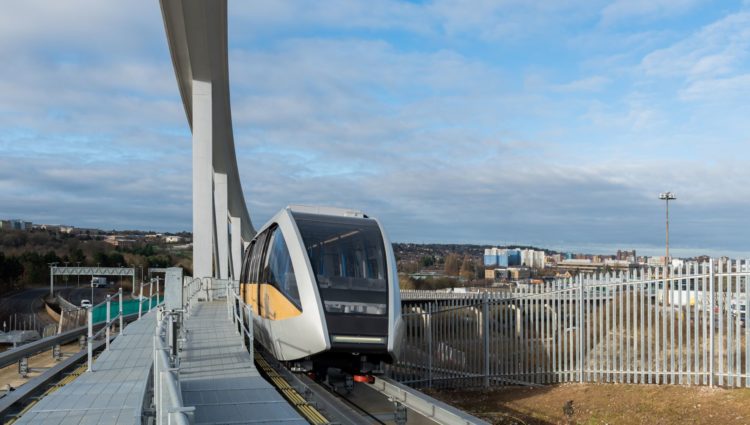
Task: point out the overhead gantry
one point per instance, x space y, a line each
197 36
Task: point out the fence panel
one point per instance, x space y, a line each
679 325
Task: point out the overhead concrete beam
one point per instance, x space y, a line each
197 37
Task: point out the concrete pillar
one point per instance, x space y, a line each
236 244
222 230
202 180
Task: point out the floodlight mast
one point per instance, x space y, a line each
666 197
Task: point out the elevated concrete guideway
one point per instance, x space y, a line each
197 36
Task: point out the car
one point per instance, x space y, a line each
85 304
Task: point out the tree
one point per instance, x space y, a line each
451 265
426 261
467 269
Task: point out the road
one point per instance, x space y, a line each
27 306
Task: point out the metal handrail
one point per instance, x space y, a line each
168 401
191 289
106 328
150 284
238 311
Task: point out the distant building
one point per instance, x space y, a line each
173 239
15 224
67 229
120 240
626 256
499 257
532 258
497 275
655 261
519 273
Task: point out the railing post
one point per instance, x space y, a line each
242 324
90 339
150 293
229 305
140 302
210 289
156 374
428 324
711 325
581 324
109 319
119 294
486 337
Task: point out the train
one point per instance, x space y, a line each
323 288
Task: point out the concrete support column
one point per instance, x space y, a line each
202 180
236 244
222 230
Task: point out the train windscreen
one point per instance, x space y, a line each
348 258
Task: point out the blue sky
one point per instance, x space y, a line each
534 122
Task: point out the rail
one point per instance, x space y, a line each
423 404
191 289
240 314
168 402
106 327
150 284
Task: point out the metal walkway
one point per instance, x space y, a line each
219 378
113 393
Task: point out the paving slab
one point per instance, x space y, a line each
218 376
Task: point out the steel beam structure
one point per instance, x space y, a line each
197 36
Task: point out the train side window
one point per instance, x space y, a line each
256 257
278 269
244 274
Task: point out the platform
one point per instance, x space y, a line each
111 395
218 377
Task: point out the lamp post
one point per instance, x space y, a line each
52 267
78 274
666 197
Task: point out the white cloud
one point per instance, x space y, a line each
718 49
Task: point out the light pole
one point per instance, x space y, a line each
666 197
78 274
52 267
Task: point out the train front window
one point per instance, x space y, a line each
348 259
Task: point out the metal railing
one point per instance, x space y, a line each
680 325
240 313
166 381
150 283
191 290
106 328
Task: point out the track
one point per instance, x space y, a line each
363 405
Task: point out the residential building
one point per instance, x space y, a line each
532 258
15 224
501 257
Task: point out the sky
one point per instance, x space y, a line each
554 124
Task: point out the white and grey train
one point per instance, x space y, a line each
323 287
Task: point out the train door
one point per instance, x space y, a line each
254 288
279 295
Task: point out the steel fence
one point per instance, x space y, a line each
657 325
